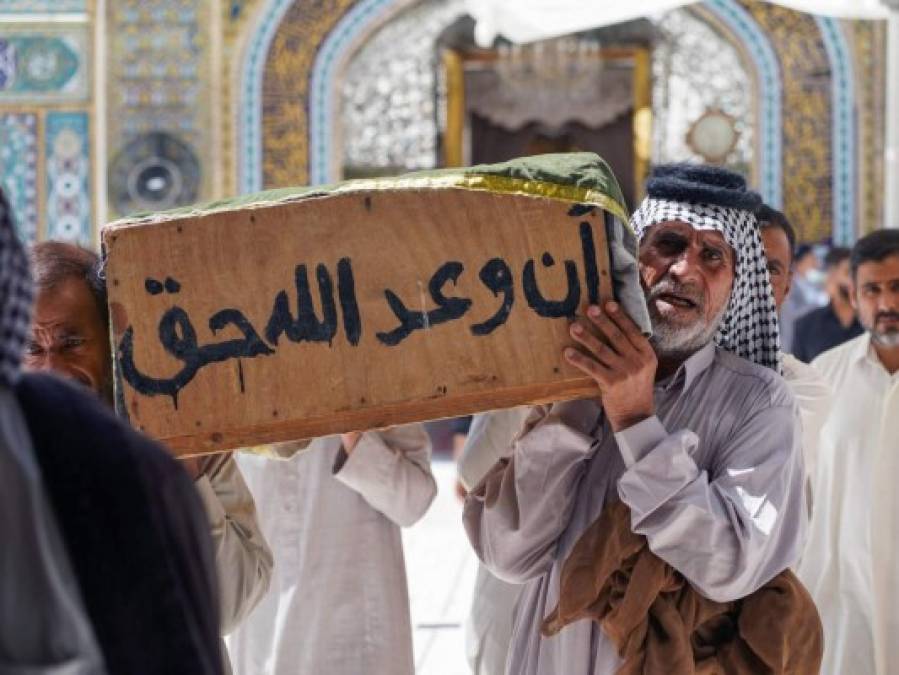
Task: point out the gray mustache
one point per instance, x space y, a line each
669 287
886 315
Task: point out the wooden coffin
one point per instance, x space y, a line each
297 314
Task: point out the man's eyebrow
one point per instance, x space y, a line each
671 234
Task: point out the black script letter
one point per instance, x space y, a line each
183 347
448 309
250 346
497 276
346 291
551 309
591 273
306 327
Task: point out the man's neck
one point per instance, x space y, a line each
844 312
888 356
668 365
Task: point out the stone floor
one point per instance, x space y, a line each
441 569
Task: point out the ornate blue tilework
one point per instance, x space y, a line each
18 170
68 173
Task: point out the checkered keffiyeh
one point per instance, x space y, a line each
15 297
749 328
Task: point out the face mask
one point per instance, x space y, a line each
816 276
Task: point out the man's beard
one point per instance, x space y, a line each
673 341
886 338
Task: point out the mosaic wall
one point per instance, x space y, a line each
43 6
796 84
807 120
236 20
695 67
159 130
285 89
869 50
388 116
68 176
19 169
45 117
44 66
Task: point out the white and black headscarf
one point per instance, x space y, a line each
710 198
15 297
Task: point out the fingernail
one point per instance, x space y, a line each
569 353
576 329
612 306
593 310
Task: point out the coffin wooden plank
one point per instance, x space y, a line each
218 345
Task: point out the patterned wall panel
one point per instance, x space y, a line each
67 143
44 64
159 83
869 49
43 6
387 111
696 67
236 18
19 169
807 117
285 89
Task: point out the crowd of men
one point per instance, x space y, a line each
711 462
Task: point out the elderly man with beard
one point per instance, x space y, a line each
850 563
105 562
70 337
694 430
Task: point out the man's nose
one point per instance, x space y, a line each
888 301
49 361
685 265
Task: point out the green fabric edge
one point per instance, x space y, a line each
581 170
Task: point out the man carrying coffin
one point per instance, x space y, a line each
696 433
69 336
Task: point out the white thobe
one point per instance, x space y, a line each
243 559
339 601
813 395
850 563
488 629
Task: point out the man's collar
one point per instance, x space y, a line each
863 348
690 369
864 351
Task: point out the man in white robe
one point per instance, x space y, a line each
702 445
488 628
339 602
851 561
810 389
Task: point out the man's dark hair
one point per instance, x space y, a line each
835 256
874 248
803 250
769 217
52 262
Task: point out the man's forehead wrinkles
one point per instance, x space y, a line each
53 326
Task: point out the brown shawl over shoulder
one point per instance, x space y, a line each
661 624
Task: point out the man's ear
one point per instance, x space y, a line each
853 298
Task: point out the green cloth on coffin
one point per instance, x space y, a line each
581 177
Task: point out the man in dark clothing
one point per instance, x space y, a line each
133 531
832 325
